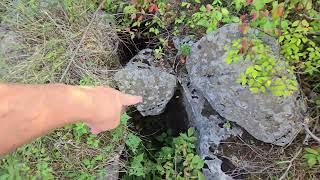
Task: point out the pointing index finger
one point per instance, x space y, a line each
128 100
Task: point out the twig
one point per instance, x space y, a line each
290 165
306 128
81 41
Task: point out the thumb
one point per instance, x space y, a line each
127 99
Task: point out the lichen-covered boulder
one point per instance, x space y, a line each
268 118
209 134
140 77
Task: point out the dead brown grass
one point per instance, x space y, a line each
60 44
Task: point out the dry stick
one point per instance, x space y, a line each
81 41
306 128
290 165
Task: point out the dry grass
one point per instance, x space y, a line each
256 160
73 44
60 44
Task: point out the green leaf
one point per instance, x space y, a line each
312 151
258 4
203 9
312 161
281 38
254 90
124 119
295 23
305 23
190 132
224 12
133 142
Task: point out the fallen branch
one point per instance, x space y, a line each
284 175
306 128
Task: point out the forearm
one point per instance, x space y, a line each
29 111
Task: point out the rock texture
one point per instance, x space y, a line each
206 122
268 118
141 77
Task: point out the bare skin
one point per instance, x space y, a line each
30 111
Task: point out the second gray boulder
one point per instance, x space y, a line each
268 118
141 77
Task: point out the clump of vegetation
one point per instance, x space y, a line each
268 72
177 158
74 42
312 156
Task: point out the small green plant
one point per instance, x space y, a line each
185 49
265 72
312 156
177 158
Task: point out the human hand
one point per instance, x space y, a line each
103 106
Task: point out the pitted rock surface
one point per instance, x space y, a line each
209 134
141 77
268 118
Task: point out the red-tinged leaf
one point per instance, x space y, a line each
249 2
209 7
156 9
244 28
280 11
135 30
127 29
140 18
243 18
153 8
243 46
254 16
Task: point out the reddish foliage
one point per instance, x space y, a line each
140 18
250 2
280 11
254 16
153 8
243 18
243 28
244 44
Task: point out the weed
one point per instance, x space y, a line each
312 156
176 159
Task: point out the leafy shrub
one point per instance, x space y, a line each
299 49
176 159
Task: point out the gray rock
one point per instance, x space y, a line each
209 134
268 118
140 77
